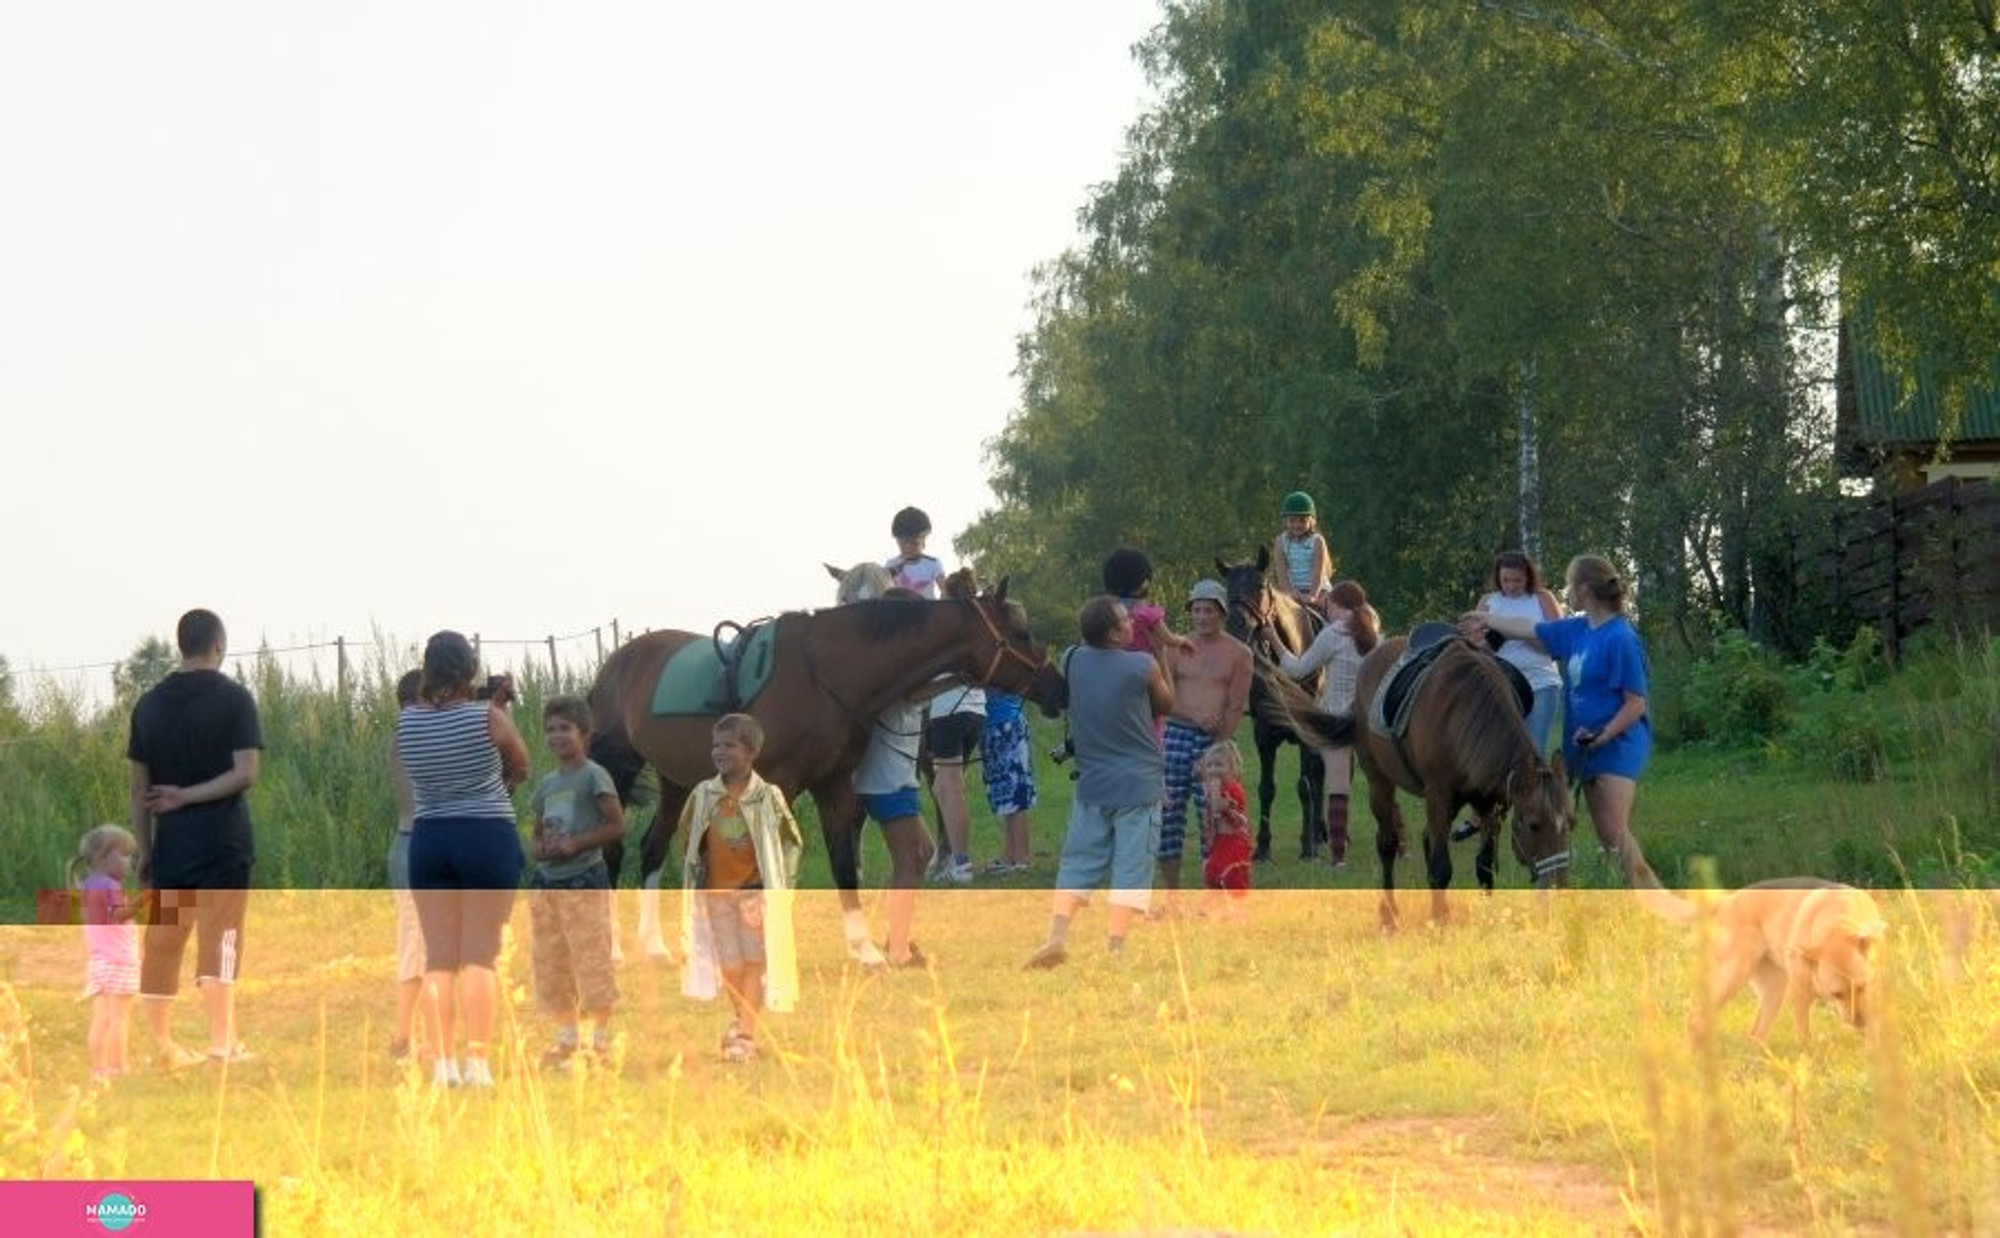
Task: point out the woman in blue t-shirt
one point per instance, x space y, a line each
1604 701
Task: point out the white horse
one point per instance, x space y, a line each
864 580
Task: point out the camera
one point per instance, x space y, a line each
1063 751
498 688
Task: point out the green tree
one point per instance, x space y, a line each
149 662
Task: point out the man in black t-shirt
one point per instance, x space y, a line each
194 751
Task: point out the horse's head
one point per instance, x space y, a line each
1013 659
858 583
1543 815
1250 598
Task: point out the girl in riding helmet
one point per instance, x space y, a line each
1300 555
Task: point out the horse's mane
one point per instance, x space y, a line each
884 619
1483 730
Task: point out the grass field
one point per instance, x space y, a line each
1524 1070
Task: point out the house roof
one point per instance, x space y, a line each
1888 413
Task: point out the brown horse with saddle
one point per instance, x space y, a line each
816 681
1440 718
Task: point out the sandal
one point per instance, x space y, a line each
234 1057
738 1045
176 1057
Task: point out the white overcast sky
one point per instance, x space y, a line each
514 317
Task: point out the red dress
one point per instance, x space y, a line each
1228 863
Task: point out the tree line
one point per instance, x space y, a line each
1499 273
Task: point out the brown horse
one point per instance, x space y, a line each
1252 601
1466 744
833 672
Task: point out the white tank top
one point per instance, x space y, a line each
1536 665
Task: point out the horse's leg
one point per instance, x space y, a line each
1437 853
1388 843
1312 800
654 849
840 821
1485 863
1267 784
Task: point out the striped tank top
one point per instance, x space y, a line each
1301 567
454 768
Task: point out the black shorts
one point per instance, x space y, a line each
955 737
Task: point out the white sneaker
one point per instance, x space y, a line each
477 1073
959 872
444 1074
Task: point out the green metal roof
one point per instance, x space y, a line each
1888 412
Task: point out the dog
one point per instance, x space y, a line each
1796 939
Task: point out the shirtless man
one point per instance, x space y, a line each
1211 682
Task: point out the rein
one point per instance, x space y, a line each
1002 647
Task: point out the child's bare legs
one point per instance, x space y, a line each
408 994
745 984
110 1016
949 789
1016 825
910 853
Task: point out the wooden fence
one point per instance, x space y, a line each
1918 559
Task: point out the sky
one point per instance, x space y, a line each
371 319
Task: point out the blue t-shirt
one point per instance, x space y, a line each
1599 665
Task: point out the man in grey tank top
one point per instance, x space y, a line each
1114 819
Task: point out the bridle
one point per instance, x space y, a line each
1003 648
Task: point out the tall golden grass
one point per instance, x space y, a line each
1528 1069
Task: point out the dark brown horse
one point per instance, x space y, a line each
1466 744
1252 601
833 672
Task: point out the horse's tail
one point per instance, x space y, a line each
1666 904
619 759
1286 705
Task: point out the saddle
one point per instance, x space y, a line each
719 676
1389 712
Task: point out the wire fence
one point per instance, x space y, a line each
343 664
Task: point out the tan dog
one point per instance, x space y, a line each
1796 939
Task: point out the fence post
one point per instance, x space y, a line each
597 634
616 640
476 657
340 667
555 673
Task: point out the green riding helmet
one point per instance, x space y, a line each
1297 503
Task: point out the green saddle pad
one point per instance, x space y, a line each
693 681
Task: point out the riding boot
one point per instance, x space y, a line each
1336 829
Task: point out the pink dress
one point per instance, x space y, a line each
112 937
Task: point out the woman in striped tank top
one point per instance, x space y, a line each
462 756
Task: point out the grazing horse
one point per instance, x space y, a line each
1252 601
1466 744
832 672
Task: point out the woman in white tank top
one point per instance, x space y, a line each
1518 591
